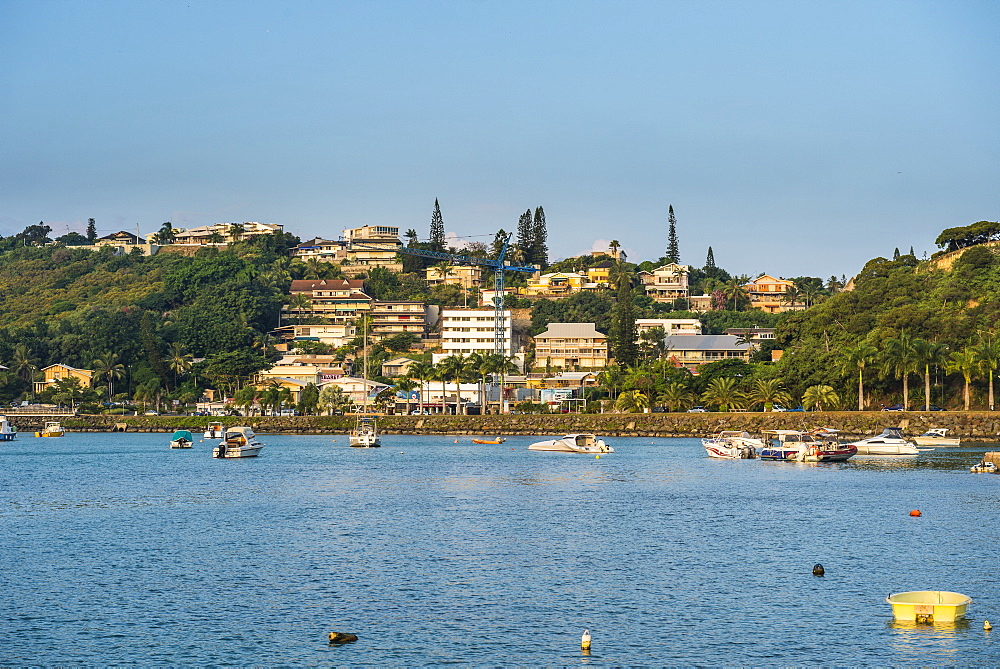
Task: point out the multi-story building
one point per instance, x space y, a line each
667 282
691 351
225 233
393 317
337 300
465 331
554 284
466 276
670 326
571 346
373 246
323 249
53 373
600 274
333 334
771 295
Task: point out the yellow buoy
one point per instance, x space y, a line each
585 640
597 457
986 625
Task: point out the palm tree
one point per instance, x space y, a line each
926 354
791 295
178 359
966 363
611 377
236 231
988 353
333 398
819 397
734 290
675 395
453 367
768 391
23 364
614 246
632 401
858 357
110 369
746 337
406 385
422 371
299 302
723 392
899 357
443 269
215 237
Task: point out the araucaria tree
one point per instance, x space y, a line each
525 235
623 336
91 231
710 259
673 249
539 239
437 229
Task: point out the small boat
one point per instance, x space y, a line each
181 439
573 443
214 431
51 429
890 442
928 606
936 437
365 433
786 445
7 431
238 442
733 445
984 467
828 447
498 440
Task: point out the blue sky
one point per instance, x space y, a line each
795 138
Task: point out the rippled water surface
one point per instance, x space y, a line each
118 550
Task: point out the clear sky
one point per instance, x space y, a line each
795 138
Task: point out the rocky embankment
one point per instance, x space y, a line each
975 426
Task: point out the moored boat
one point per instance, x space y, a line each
238 442
732 444
7 431
365 433
929 606
936 436
890 442
828 447
573 443
51 429
786 445
984 467
181 439
214 431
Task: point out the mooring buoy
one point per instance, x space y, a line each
342 637
987 626
585 640
915 513
818 570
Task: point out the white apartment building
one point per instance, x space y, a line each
671 326
466 331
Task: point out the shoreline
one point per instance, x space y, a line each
979 426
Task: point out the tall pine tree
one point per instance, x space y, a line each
437 229
525 236
623 335
710 259
539 240
91 230
673 249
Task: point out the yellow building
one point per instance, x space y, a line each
555 284
770 294
54 373
466 276
571 346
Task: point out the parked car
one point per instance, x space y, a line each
893 407
935 407
418 412
698 409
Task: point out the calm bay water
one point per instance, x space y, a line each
118 550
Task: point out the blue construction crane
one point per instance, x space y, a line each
498 277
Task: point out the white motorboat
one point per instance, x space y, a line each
181 439
733 445
365 433
890 442
573 443
936 437
215 431
238 442
7 431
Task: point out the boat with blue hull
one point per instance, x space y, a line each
7 431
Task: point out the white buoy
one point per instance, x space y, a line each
585 640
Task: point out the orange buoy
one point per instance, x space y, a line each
915 513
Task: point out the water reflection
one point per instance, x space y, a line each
922 641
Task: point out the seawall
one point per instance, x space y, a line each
977 426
